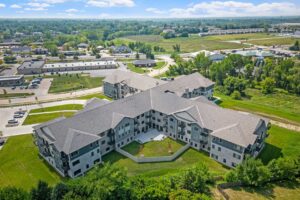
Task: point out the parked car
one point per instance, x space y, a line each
18 115
20 112
12 122
14 87
2 141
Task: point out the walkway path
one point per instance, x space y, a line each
169 61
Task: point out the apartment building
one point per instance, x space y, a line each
121 84
74 145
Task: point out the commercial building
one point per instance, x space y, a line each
74 145
38 67
121 84
7 81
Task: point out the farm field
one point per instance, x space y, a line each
190 44
278 106
240 36
21 165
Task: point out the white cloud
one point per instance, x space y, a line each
235 9
72 10
155 11
111 3
16 6
51 1
35 6
2 5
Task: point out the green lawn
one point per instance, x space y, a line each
278 106
281 142
274 41
159 65
187 159
190 44
240 36
40 118
280 191
57 108
97 95
135 69
72 82
15 95
21 166
165 147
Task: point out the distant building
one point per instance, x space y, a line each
120 49
216 57
24 49
144 63
83 46
7 81
40 51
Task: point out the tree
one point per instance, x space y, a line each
196 179
295 47
41 192
176 48
268 85
10 59
12 193
236 95
202 63
61 56
1 62
232 84
137 56
283 169
59 191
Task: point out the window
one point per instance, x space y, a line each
92 153
143 115
196 129
87 166
103 142
219 148
160 114
224 160
98 150
74 153
77 172
107 149
171 119
76 162
153 111
233 164
213 146
196 145
96 161
158 120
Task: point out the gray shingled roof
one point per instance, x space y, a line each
179 85
104 117
138 81
144 62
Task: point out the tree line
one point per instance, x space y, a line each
235 73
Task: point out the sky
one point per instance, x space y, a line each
106 9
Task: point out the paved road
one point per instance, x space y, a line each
7 114
169 61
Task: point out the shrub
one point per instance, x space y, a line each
236 95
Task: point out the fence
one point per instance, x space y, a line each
154 159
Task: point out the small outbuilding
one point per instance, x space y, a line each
144 63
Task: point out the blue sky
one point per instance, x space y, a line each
145 8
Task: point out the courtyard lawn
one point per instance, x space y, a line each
187 159
96 95
280 191
188 44
274 41
135 69
165 147
72 82
278 106
21 165
40 118
57 108
280 142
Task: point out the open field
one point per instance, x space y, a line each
135 69
58 108
280 142
187 159
240 36
165 147
71 82
189 44
40 118
21 165
274 41
96 95
281 191
278 106
15 95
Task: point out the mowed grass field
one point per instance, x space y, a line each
188 44
274 41
40 118
278 106
57 108
135 69
165 147
240 36
21 166
280 142
96 95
